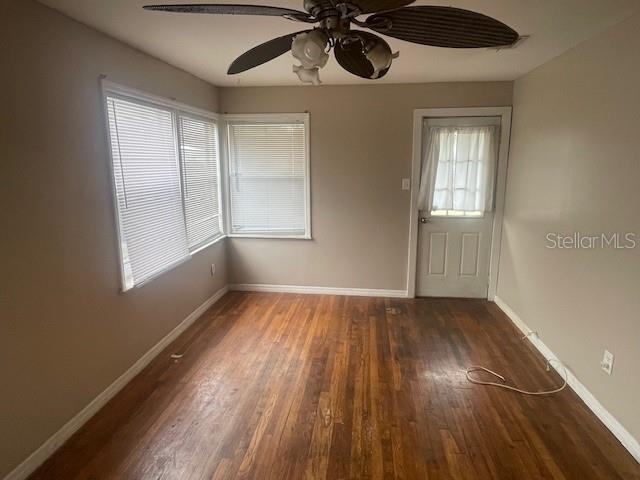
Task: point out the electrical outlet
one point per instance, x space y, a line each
406 184
213 269
607 362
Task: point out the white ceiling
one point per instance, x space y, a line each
205 45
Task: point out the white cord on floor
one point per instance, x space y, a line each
515 389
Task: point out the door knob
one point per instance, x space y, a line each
424 220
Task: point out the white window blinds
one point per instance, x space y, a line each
165 171
199 155
268 178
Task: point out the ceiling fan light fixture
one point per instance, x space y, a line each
310 49
381 57
308 75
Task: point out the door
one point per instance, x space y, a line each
455 233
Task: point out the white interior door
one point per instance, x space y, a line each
454 245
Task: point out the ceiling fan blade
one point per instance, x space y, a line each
370 6
222 9
443 27
351 57
263 53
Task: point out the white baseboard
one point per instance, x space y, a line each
37 458
621 433
354 292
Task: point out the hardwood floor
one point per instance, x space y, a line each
282 386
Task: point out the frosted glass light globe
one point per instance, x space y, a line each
309 49
307 75
380 57
313 52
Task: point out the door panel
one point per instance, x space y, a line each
470 254
453 257
438 253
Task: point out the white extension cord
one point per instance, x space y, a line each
472 369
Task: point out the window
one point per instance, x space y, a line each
165 175
199 155
459 171
269 175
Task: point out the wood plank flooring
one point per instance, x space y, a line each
283 386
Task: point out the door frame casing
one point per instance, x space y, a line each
501 182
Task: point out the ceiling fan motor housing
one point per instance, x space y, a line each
321 9
336 26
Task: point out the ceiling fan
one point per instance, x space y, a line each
360 52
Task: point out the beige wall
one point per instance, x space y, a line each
65 331
575 167
361 140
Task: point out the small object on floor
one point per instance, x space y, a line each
472 369
393 311
177 356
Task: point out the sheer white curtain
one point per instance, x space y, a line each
458 169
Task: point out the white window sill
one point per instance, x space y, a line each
270 236
207 245
173 266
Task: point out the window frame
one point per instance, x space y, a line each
197 114
109 88
304 119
